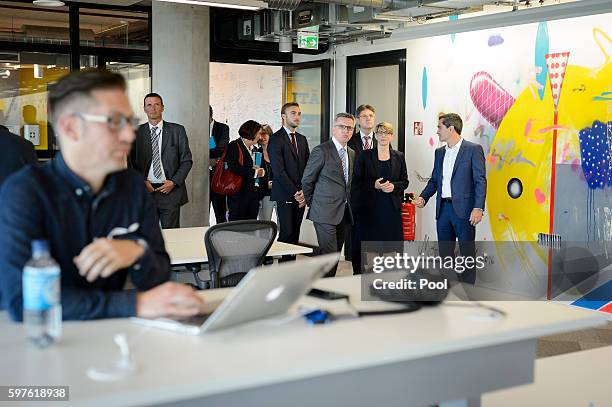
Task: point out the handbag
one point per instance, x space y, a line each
225 182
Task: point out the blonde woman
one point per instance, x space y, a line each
379 181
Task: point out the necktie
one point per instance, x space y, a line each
344 164
156 159
294 143
366 144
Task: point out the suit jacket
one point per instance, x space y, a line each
245 170
355 143
220 132
468 182
175 156
367 171
287 167
15 152
325 191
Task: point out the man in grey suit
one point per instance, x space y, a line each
161 154
326 184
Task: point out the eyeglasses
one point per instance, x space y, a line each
384 133
343 127
114 123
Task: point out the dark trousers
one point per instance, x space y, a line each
169 217
243 206
290 217
331 238
355 249
451 227
218 203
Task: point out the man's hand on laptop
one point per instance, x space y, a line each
169 300
103 257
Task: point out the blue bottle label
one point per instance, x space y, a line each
41 288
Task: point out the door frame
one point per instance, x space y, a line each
378 59
324 64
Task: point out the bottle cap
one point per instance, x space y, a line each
40 246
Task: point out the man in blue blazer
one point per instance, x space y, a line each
459 178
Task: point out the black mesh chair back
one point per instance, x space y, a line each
234 248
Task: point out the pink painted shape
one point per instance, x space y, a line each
431 141
528 127
575 164
551 128
491 100
539 196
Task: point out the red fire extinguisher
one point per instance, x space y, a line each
408 217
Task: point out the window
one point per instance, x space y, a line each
24 84
113 29
23 22
308 85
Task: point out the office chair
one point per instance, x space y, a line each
234 248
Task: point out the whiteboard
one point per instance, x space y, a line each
246 92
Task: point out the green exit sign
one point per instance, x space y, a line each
308 40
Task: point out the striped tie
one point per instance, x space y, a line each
366 144
344 164
157 166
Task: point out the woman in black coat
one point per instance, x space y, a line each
379 180
245 203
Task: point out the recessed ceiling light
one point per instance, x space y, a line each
49 3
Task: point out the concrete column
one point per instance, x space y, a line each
181 57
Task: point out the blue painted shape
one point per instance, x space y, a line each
541 49
597 298
454 17
424 88
495 40
595 147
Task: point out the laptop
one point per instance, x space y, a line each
264 292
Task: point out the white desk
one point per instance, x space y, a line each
186 246
417 359
569 380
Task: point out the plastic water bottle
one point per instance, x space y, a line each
42 309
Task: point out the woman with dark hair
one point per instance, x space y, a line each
245 203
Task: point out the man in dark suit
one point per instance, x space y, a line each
288 151
327 186
362 139
161 154
218 141
459 179
15 152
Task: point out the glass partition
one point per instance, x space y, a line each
24 22
24 85
113 29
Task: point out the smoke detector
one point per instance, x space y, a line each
49 3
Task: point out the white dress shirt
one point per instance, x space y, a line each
371 136
450 156
151 177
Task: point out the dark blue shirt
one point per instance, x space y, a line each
51 202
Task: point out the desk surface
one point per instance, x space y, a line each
175 366
569 380
186 245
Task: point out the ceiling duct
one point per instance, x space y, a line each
287 5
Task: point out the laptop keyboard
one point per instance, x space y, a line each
195 320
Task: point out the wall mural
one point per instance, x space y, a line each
538 98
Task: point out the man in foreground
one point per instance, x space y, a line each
99 219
